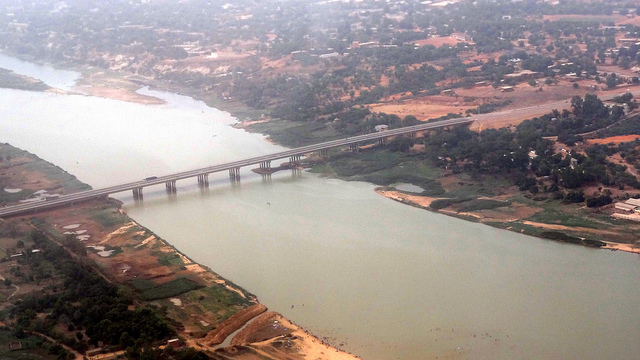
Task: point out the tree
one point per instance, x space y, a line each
401 144
125 340
574 196
612 81
576 104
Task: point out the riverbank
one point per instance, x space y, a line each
198 302
521 214
424 202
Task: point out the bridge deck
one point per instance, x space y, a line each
89 194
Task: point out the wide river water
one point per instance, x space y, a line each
387 280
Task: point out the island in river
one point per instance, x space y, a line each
186 300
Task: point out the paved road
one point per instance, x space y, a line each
86 195
505 118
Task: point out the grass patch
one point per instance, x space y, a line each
562 237
169 259
219 300
552 216
69 182
141 284
349 165
294 134
109 217
483 204
170 289
6 197
443 203
33 347
11 80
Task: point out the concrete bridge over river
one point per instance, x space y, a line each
233 167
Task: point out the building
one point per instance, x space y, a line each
524 74
175 343
380 128
626 208
633 202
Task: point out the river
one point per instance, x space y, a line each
388 280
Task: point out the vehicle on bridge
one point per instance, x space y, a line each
150 178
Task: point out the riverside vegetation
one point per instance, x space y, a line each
90 279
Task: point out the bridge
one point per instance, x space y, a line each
233 167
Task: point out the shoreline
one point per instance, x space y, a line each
123 87
235 109
423 202
142 256
310 344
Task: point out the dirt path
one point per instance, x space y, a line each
75 353
15 292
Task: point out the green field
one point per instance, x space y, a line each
150 291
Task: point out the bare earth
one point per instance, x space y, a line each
102 84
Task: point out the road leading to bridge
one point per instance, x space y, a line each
231 166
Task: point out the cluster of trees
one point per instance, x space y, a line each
357 120
587 115
532 162
84 303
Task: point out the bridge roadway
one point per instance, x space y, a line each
265 159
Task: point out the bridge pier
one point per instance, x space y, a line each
203 180
412 135
295 159
324 153
354 147
137 193
382 141
266 178
296 172
265 165
234 174
171 186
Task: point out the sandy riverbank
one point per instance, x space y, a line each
201 304
115 87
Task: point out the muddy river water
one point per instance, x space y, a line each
386 280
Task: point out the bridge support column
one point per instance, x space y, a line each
412 135
354 147
295 160
382 141
137 193
203 180
171 186
265 165
324 153
234 174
